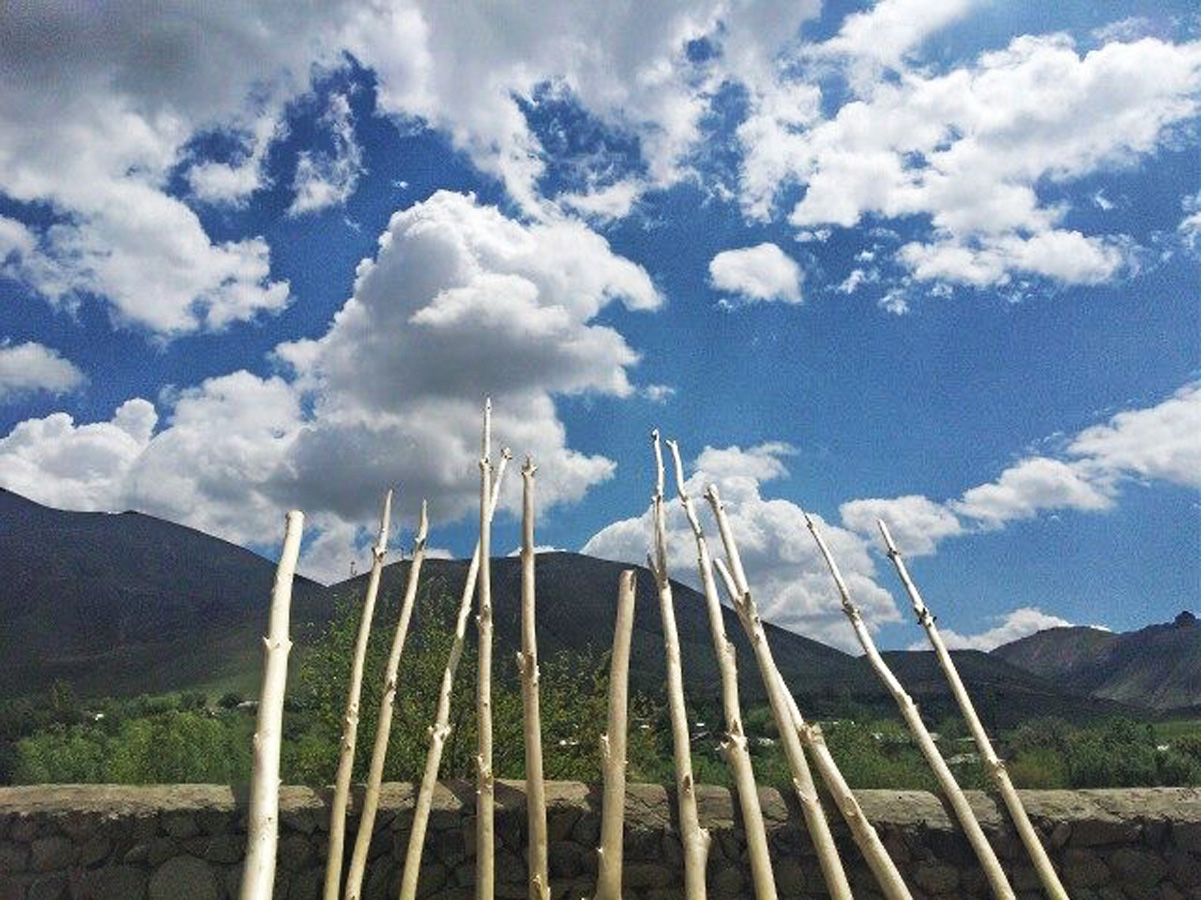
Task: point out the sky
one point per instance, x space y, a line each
936 264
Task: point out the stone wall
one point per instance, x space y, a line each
185 842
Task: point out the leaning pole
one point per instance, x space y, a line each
993 764
997 881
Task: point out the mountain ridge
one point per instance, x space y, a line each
128 603
1158 666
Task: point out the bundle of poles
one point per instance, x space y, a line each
802 742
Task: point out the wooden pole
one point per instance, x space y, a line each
485 825
909 711
383 729
613 746
441 727
262 830
992 763
862 831
695 839
527 664
734 747
802 779
350 724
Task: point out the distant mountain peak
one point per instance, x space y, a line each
1185 620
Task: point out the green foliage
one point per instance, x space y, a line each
573 702
1117 753
1039 768
168 747
878 756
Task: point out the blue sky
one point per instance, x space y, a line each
936 263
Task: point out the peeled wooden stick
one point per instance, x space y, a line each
862 831
527 664
734 746
695 839
613 746
350 724
262 838
441 727
950 788
992 763
485 802
802 778
383 729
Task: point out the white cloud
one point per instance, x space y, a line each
464 71
456 282
917 523
459 301
883 35
1016 624
234 182
658 393
1160 442
792 585
895 302
857 279
29 367
324 179
1030 487
615 201
1189 227
760 273
971 148
58 463
97 107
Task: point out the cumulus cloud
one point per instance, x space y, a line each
917 523
59 463
972 147
1159 442
760 273
1013 625
328 179
884 35
466 72
453 282
94 131
29 367
792 585
1032 486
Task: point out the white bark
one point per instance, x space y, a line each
695 839
262 837
909 711
441 727
734 746
485 825
383 729
613 746
862 832
802 779
350 724
992 763
527 664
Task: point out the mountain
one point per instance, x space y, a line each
127 603
577 605
1158 666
